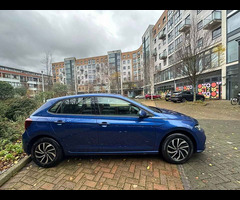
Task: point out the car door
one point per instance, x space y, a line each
74 124
120 128
188 96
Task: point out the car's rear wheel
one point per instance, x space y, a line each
184 100
46 152
177 148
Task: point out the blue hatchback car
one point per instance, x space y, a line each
91 124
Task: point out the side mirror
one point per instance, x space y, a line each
142 114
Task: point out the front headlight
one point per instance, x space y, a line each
197 126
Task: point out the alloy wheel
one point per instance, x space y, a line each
45 152
178 149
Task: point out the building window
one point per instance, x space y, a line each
164 41
164 20
216 33
170 23
214 59
171 48
200 25
170 36
177 30
232 51
178 42
233 22
200 43
178 16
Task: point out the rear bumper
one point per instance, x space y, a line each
25 142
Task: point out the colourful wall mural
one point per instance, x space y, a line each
209 90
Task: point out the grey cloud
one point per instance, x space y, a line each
26 35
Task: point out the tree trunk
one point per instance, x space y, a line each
194 93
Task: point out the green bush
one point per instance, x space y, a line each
10 131
20 107
6 90
44 95
21 91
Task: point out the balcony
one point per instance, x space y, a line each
162 35
154 53
185 25
212 20
163 56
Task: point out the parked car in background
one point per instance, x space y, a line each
155 96
94 124
185 96
168 96
139 97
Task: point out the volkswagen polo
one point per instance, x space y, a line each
94 124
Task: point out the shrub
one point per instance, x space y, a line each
21 91
6 90
10 131
20 107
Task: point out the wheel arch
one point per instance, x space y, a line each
187 133
37 137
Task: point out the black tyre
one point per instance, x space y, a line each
234 101
177 148
46 152
184 100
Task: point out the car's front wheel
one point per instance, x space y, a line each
177 148
46 152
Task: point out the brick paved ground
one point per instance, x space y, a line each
100 172
216 168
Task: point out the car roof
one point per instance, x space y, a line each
50 102
85 95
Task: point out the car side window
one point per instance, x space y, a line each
82 105
115 106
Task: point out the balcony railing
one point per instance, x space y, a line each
162 35
163 56
212 20
185 25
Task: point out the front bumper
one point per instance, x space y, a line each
176 98
201 144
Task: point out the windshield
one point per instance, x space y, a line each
154 109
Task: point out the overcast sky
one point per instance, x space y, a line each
26 34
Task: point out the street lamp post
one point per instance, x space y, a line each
43 88
121 76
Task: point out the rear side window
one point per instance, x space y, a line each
55 107
82 105
115 106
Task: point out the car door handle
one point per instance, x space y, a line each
103 124
59 122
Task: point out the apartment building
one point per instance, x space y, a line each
105 73
231 72
23 78
174 27
156 62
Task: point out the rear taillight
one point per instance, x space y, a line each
28 122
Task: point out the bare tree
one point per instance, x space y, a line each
191 54
47 63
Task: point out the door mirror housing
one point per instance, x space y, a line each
142 114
